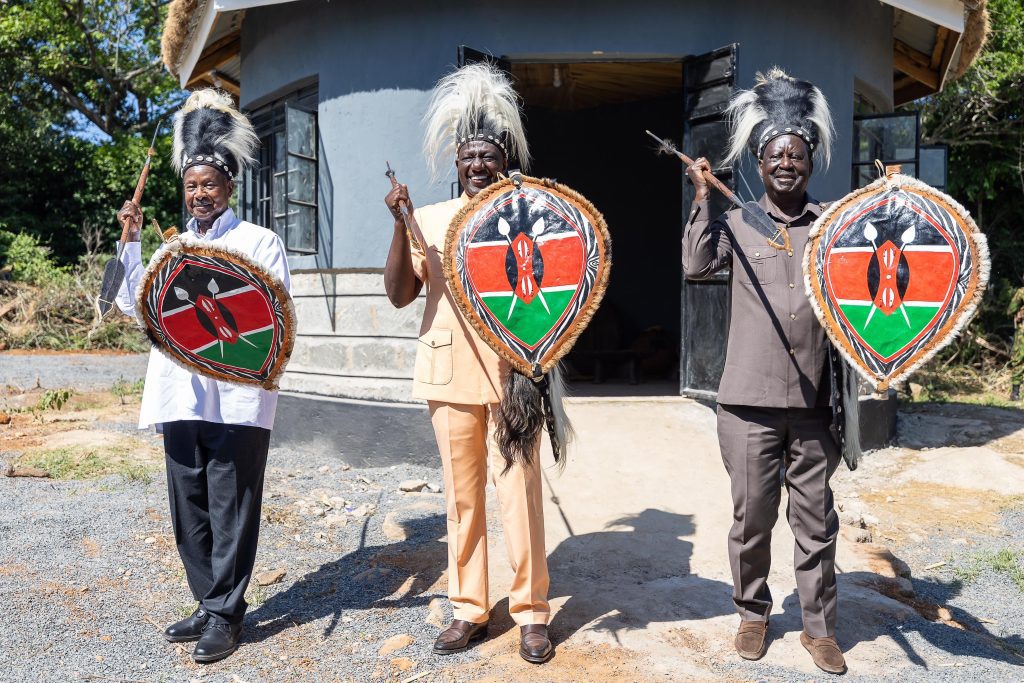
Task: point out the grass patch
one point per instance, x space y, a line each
1006 561
70 463
184 610
122 388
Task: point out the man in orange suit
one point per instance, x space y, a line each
474 117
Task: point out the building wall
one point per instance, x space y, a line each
376 64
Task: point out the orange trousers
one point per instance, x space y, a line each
465 439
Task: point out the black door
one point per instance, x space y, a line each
707 86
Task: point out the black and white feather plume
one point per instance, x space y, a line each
208 129
779 104
475 102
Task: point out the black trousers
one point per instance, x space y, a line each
215 486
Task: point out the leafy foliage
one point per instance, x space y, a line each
54 399
81 90
979 117
30 261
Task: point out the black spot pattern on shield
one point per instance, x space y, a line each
875 275
512 268
205 321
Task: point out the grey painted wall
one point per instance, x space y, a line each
376 64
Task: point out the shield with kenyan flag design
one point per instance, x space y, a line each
527 261
217 312
894 271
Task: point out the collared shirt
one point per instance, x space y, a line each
453 364
173 393
777 350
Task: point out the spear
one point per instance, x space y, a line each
753 214
113 271
410 222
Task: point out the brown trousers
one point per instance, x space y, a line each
756 443
466 447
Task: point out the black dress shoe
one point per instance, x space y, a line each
458 636
189 628
218 641
534 644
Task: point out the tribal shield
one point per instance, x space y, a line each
527 261
894 271
215 311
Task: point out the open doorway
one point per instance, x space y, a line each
585 121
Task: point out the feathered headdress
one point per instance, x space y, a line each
209 130
779 104
476 102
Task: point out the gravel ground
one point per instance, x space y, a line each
26 369
90 575
95 606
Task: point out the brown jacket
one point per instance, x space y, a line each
453 364
778 354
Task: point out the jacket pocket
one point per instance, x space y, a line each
758 264
434 357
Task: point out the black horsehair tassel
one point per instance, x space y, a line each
526 408
520 419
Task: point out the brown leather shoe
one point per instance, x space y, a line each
458 636
534 644
825 652
751 639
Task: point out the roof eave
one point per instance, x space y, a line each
194 49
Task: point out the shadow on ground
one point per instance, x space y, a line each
945 627
942 425
632 575
365 578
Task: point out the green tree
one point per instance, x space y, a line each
81 90
980 117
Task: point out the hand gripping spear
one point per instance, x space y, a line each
113 271
753 214
410 224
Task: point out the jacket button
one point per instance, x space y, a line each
792 352
757 253
433 343
792 316
790 253
791 285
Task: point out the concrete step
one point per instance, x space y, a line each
357 314
355 356
370 389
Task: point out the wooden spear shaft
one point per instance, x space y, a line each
712 180
410 221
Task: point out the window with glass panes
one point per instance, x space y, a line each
280 192
895 139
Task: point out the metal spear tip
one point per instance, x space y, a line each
156 131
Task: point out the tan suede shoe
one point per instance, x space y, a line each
825 652
751 639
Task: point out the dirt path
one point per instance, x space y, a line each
635 531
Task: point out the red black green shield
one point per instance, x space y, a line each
218 313
528 263
894 271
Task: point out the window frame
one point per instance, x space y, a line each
256 200
856 166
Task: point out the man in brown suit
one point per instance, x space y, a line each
773 401
461 378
